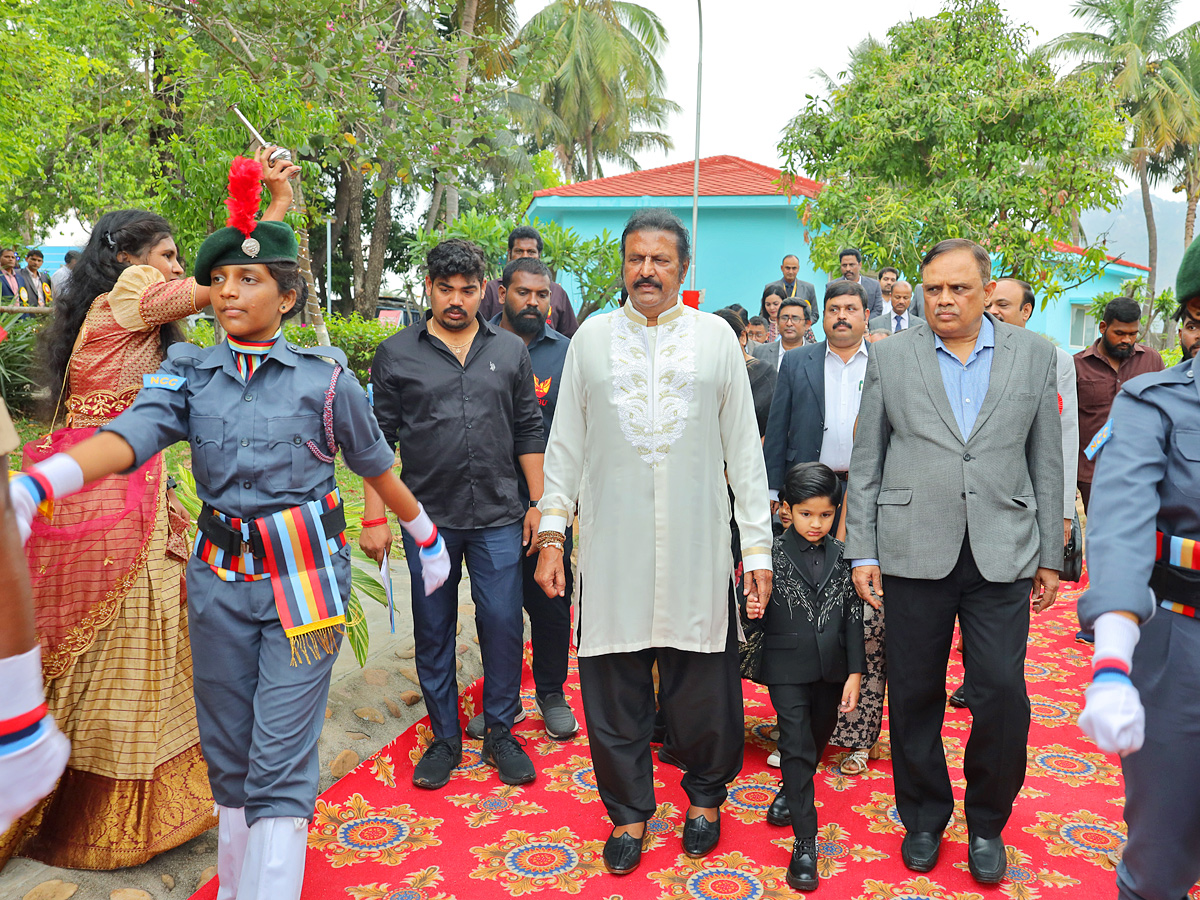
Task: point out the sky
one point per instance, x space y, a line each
761 58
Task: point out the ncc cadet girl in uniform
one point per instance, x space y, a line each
270 567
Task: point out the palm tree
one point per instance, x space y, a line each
1184 160
1131 45
606 86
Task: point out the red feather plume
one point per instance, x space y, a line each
245 192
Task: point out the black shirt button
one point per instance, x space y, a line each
197 440
246 485
245 442
967 457
296 439
248 397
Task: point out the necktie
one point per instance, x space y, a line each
899 323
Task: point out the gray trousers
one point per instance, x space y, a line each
259 716
1162 783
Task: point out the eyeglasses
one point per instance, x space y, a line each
796 319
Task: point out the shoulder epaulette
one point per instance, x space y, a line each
332 355
186 353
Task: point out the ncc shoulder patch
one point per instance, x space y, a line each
159 380
1100 439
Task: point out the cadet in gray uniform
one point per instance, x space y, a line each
270 570
1144 560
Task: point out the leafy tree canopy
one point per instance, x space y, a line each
952 128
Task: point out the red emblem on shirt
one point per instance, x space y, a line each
542 388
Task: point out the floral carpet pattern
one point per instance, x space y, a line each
375 837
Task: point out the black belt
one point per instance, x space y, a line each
229 539
1175 584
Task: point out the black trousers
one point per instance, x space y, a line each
994 619
807 716
701 698
549 626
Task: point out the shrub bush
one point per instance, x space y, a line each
353 335
17 356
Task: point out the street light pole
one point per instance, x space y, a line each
696 161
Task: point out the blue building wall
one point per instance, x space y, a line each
742 240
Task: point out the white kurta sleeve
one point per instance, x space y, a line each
1068 395
563 466
744 464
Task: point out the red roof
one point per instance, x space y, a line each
720 176
1064 247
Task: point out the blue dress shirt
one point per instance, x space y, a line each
967 383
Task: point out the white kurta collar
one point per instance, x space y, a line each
634 316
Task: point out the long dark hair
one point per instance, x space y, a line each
132 231
771 290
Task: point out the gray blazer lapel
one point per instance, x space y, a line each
1003 359
931 372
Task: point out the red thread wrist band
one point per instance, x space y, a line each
372 523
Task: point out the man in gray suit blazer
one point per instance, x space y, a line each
850 260
902 316
791 284
955 496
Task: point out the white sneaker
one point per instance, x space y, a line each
773 759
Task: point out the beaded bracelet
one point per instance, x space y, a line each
372 523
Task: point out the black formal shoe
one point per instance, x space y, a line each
802 870
959 698
659 734
779 814
919 850
700 836
436 765
622 854
665 755
987 859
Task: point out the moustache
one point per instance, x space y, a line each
651 282
841 324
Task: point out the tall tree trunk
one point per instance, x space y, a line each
462 71
435 205
312 309
591 156
1151 230
354 234
1189 220
381 229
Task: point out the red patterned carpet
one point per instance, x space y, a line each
375 837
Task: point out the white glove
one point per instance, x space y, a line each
24 506
30 773
1113 716
435 565
58 476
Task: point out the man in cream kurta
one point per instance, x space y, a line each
654 412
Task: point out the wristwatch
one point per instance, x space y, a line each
533 504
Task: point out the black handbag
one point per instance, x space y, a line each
1072 567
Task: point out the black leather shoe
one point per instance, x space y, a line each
700 836
802 870
622 854
779 814
919 850
959 698
987 859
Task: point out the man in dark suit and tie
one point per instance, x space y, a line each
818 392
955 508
793 286
901 316
850 260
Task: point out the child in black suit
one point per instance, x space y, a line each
812 653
